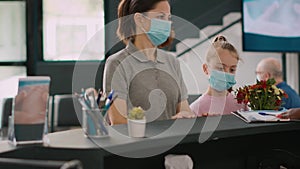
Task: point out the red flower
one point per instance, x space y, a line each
278 102
263 95
240 97
263 84
256 86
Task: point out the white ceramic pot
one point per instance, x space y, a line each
136 128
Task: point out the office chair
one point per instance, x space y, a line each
16 163
6 111
64 114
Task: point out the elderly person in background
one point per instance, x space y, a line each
271 68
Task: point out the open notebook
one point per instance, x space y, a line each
259 116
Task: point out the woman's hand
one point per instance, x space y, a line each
183 111
91 91
184 114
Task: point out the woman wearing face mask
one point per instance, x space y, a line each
221 64
142 74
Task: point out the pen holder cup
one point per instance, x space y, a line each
93 123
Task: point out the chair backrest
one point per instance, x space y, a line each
6 110
10 163
64 113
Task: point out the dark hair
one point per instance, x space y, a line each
126 9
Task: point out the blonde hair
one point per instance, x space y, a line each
220 42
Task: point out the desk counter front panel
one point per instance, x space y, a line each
233 144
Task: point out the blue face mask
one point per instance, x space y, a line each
159 32
221 81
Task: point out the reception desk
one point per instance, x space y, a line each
211 142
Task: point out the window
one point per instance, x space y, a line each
12 45
12 31
68 26
9 80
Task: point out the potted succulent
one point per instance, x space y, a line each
136 122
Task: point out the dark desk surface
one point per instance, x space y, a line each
222 127
164 135
190 129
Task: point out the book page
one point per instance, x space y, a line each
255 116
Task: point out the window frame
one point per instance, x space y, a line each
17 63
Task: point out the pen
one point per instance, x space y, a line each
267 114
108 104
108 99
82 101
86 98
110 96
92 123
103 128
92 100
99 96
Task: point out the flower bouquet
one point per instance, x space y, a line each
263 95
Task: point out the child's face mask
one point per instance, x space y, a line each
221 81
